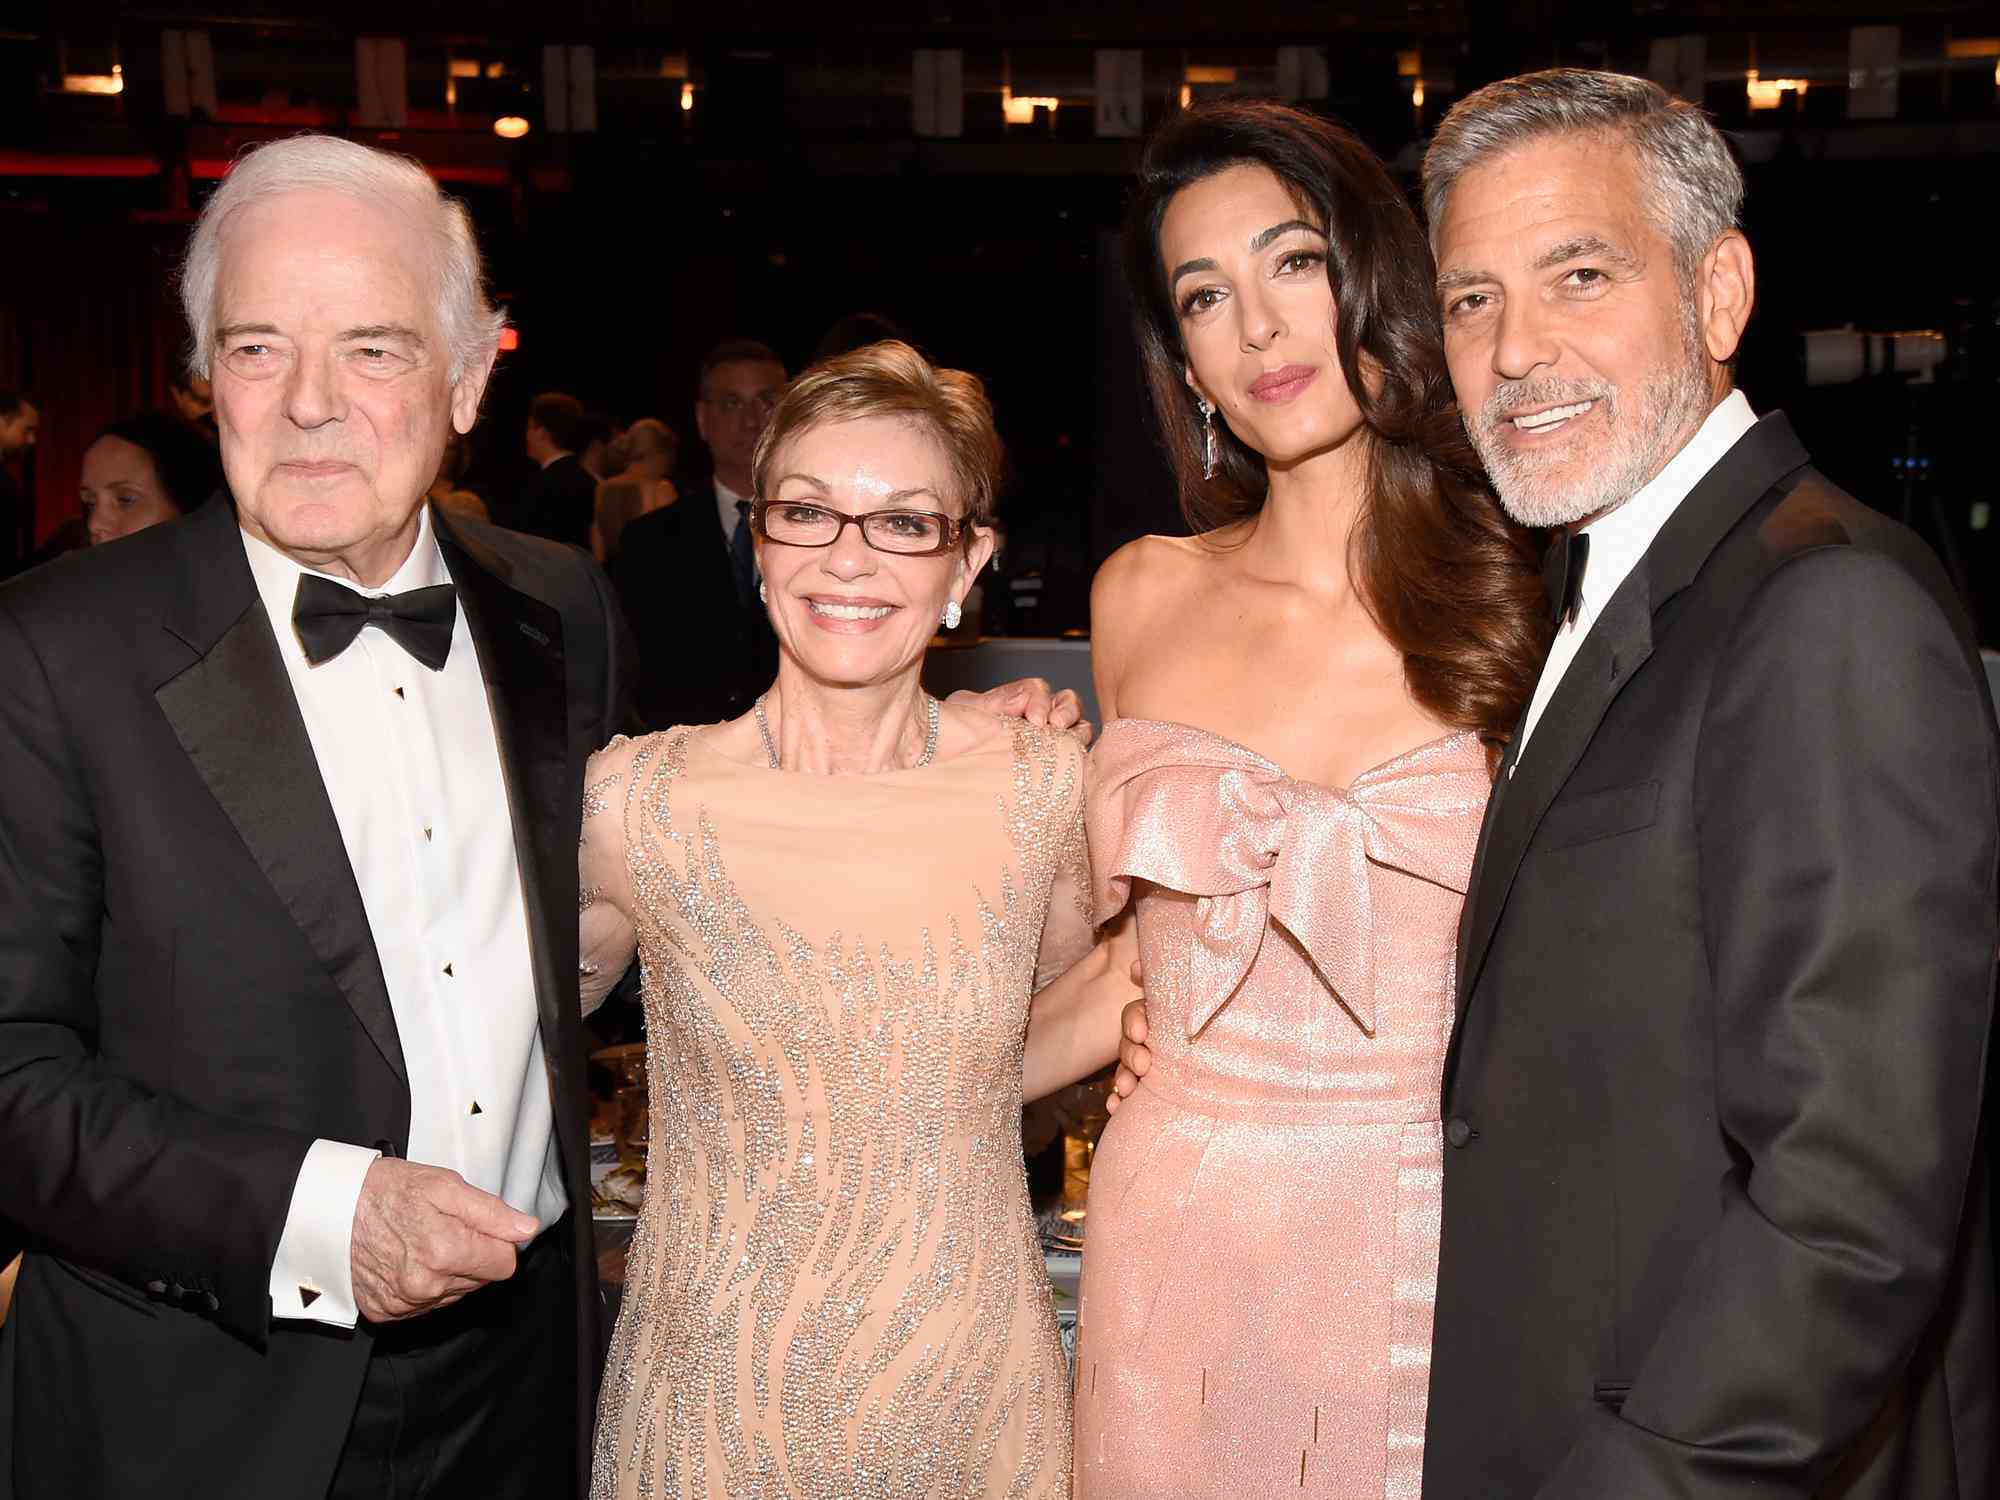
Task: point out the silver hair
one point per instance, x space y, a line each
1694 183
470 324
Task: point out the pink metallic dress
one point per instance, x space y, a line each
1261 1244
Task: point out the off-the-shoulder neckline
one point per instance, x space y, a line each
1370 773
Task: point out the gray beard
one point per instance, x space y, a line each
1641 441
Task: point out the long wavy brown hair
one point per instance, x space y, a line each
1451 581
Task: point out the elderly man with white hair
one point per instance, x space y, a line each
292 1096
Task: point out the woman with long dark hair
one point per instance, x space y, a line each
1304 702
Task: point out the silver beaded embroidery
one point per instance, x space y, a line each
887 1223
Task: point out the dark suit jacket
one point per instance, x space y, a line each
1716 1220
189 994
558 503
703 657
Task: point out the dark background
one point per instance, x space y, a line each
796 191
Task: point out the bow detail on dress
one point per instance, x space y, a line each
1196 813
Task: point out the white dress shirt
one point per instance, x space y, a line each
411 765
1620 539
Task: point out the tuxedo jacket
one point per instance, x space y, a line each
190 994
1716 1216
703 656
558 502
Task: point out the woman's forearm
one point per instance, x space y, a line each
1073 1021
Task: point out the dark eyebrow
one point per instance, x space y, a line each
1260 242
1585 247
1264 240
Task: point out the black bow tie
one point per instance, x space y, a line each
1562 573
328 616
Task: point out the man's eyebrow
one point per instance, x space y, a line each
1451 281
1585 247
238 330
382 331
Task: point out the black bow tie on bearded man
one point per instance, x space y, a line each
328 616
1562 573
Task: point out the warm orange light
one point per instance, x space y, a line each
1768 93
1187 97
1196 74
95 83
1019 109
687 97
1417 94
510 127
510 340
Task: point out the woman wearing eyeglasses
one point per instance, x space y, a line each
843 903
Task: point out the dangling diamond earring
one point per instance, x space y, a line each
1208 445
762 592
952 614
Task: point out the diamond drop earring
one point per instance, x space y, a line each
952 614
1208 445
762 592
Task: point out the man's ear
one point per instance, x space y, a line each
469 390
1725 291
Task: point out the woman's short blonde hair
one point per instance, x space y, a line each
890 379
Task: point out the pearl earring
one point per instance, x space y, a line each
952 614
1208 444
762 592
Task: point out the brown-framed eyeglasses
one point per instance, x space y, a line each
907 533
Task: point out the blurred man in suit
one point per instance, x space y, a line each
20 420
559 500
686 572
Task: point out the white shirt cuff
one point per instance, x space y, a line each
313 1277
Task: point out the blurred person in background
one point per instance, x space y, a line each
687 573
20 420
142 471
600 445
558 501
194 399
651 448
447 491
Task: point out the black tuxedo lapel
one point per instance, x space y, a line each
519 639
235 714
1618 643
1617 646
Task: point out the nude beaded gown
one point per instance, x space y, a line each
836 1288
1261 1246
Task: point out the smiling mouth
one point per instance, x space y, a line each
831 611
1552 418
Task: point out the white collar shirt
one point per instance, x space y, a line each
411 766
1620 539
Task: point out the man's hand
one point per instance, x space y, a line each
1135 1058
1032 699
424 1237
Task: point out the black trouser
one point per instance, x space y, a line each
479 1399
